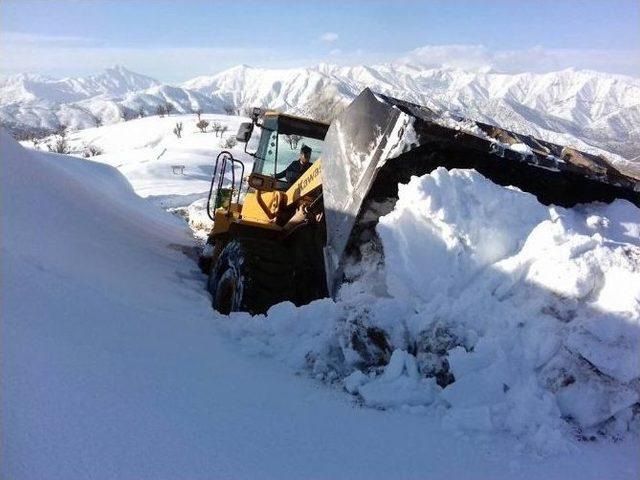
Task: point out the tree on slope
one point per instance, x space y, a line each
91 150
178 130
160 111
202 125
216 126
126 114
35 140
59 142
169 107
229 142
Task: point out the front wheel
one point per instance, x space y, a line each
250 276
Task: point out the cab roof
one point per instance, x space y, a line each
294 125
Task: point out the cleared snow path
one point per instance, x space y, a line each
112 367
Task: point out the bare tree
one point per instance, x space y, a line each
27 136
22 136
160 111
216 127
91 150
59 142
59 145
141 112
198 112
229 109
229 142
169 107
202 125
97 121
61 130
293 140
223 130
35 135
178 130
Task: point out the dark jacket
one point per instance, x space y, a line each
293 171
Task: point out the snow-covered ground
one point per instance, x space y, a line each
146 150
115 366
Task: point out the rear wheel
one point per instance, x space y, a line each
251 275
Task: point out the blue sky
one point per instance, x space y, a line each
176 40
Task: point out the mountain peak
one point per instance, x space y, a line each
122 71
118 80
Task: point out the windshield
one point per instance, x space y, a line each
277 151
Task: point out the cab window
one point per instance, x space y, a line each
289 149
276 151
265 162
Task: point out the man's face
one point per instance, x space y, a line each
303 158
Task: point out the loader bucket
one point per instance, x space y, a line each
379 141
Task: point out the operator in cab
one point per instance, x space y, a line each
297 167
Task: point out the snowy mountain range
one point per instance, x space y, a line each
589 110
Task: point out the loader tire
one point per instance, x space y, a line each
251 275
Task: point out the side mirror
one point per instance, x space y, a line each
244 132
262 183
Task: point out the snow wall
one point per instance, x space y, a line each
489 309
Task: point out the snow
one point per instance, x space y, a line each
399 384
530 315
144 150
543 289
590 111
521 148
115 366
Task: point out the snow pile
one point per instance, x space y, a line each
501 314
544 301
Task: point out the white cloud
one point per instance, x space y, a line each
72 55
536 59
329 37
170 64
19 38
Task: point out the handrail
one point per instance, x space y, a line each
223 158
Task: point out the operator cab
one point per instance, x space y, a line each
281 137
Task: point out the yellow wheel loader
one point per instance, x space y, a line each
279 239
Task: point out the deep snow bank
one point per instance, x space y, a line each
110 367
94 294
500 314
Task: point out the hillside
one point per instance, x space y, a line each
145 150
